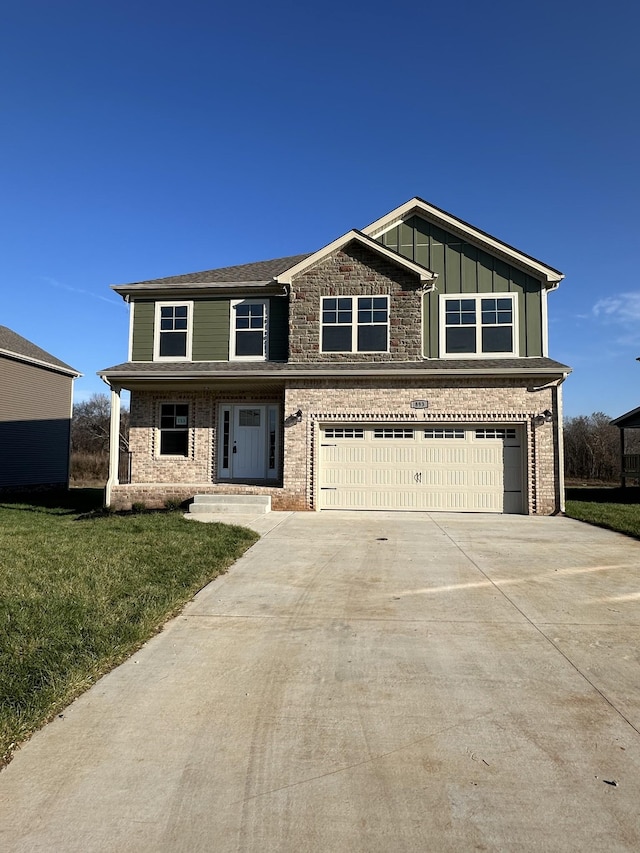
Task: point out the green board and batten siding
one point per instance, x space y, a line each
142 345
464 268
211 319
210 330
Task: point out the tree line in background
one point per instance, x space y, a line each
592 448
90 426
591 444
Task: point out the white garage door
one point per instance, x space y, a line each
464 469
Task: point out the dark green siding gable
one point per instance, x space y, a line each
143 313
465 268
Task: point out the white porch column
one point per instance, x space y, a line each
114 444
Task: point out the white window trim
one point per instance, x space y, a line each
354 322
477 297
158 429
156 330
132 306
232 330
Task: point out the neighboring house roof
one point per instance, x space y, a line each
436 366
15 346
630 420
417 206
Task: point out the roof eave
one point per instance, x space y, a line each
351 372
59 368
125 290
427 277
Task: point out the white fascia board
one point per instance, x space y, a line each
16 356
426 276
297 374
551 277
128 290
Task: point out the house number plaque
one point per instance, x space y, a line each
419 404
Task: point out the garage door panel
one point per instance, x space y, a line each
444 455
394 455
465 470
344 454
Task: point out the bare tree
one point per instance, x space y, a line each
592 448
90 426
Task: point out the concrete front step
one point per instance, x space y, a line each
239 504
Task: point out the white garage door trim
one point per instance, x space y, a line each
423 467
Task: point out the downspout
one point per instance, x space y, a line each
114 443
560 439
69 443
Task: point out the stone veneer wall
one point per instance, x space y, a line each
323 399
356 271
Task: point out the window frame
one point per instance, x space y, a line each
182 429
478 325
355 325
157 331
233 356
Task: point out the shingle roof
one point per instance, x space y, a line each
15 344
255 272
202 369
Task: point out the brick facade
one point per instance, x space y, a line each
458 401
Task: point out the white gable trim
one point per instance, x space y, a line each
427 278
16 356
550 276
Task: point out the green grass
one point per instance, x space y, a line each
624 518
82 591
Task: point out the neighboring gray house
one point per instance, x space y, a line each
36 400
404 366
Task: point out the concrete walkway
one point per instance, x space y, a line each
364 682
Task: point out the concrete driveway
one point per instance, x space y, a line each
374 682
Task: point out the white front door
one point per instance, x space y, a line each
249 445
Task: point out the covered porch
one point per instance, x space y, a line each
629 461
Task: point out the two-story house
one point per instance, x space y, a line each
404 366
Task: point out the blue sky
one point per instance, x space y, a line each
142 140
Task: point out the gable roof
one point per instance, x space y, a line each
270 273
426 276
447 221
15 346
630 420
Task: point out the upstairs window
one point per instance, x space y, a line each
355 324
475 326
174 429
172 339
249 329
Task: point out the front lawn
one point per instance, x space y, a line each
624 518
81 592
